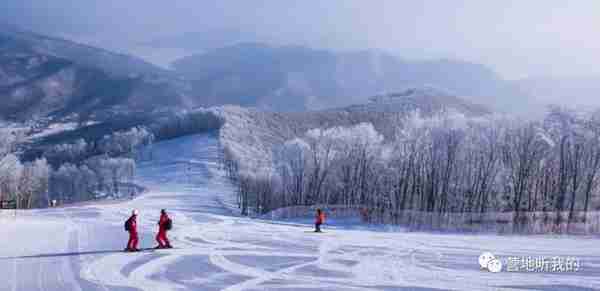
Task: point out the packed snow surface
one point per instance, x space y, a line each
79 247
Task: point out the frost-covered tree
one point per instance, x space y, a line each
435 165
125 142
292 165
68 153
312 168
27 183
85 170
101 175
11 171
7 141
33 185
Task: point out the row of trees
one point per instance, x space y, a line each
440 164
106 167
82 170
185 122
121 143
87 169
101 168
27 183
97 177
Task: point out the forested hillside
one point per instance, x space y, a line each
90 162
421 167
44 79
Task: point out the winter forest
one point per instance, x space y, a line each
70 172
24 183
440 170
87 169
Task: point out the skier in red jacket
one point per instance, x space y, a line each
164 225
319 219
131 226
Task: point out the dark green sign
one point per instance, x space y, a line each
8 204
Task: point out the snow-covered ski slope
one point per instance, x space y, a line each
79 248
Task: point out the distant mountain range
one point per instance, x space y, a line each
49 77
45 77
113 63
299 78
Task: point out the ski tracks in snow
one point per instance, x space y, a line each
218 251
266 256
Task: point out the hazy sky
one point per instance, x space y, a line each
516 38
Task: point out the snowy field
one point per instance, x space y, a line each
79 248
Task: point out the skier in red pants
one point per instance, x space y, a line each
164 225
319 219
131 227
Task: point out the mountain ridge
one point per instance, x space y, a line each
115 63
316 78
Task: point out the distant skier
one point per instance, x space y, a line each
319 219
131 227
164 224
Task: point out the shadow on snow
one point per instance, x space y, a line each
69 254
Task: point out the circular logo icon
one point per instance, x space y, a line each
484 259
494 265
